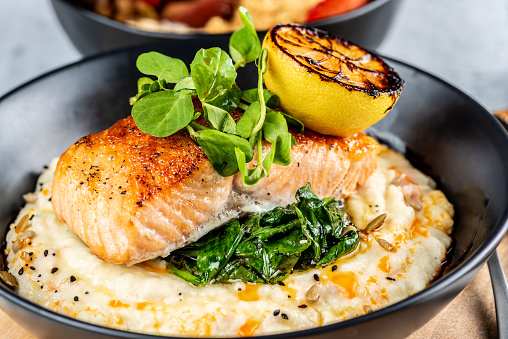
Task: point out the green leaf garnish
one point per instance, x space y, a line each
168 112
170 69
164 106
267 247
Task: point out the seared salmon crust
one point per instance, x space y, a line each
132 197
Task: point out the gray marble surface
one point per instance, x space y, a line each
462 41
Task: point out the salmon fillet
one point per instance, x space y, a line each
132 197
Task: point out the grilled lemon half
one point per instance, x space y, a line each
334 86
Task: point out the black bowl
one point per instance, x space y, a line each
91 33
441 129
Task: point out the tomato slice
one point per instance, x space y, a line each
330 8
197 12
153 3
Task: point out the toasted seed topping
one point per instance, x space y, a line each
302 306
24 256
347 229
316 277
23 236
363 236
276 312
22 224
367 309
8 279
45 253
386 245
30 198
413 203
18 245
375 223
334 267
398 179
313 293
284 316
53 270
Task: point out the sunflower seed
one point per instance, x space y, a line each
363 236
25 256
375 223
30 198
398 179
313 293
22 224
24 235
386 245
367 309
413 203
347 229
8 279
17 246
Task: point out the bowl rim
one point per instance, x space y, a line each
476 258
91 15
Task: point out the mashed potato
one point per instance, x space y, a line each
55 269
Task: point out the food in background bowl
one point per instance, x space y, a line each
299 266
215 16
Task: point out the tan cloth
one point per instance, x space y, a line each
471 315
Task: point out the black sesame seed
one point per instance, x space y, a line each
45 253
334 267
30 253
56 291
42 287
76 298
31 217
316 277
289 296
390 278
53 254
281 283
73 278
20 272
180 293
284 316
239 289
39 276
302 306
53 270
276 312
32 268
86 292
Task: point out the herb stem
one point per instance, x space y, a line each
260 149
261 70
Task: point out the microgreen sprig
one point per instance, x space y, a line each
163 106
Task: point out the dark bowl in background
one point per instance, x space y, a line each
442 130
92 33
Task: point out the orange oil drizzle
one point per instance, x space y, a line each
248 329
384 265
347 282
249 293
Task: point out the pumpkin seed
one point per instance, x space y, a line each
386 245
313 293
375 223
363 236
8 279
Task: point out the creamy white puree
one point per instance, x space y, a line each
60 273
